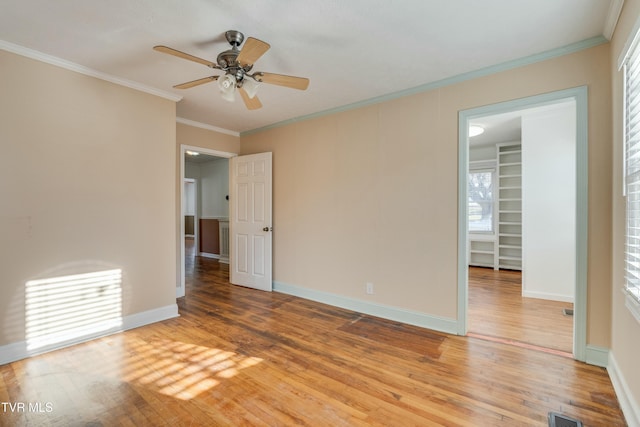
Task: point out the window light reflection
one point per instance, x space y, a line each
67 309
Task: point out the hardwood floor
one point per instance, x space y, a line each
237 356
497 309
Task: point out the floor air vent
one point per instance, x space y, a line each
557 420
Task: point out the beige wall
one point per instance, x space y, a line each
204 138
370 195
87 183
625 345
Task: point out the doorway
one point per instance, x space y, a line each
508 249
213 182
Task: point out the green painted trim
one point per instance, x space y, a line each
463 262
582 224
18 350
580 94
379 310
598 356
628 403
550 54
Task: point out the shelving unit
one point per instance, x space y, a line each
509 252
482 252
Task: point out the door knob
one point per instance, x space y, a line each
267 229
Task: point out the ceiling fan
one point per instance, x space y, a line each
237 64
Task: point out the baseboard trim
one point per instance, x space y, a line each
548 296
208 255
19 350
379 310
598 356
150 316
629 406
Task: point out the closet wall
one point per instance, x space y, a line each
549 202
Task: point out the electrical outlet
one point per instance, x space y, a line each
369 288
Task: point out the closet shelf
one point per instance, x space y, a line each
503 251
509 234
475 251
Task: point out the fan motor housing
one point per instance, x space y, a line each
228 61
228 58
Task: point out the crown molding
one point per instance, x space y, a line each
509 65
615 8
206 126
81 69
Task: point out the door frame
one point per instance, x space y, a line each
580 95
180 286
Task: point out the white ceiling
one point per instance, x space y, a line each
351 51
507 127
201 158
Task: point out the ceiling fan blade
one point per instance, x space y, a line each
193 83
299 83
251 103
252 50
179 54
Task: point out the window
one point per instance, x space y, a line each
481 201
632 171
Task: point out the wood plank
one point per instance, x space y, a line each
238 356
398 335
498 309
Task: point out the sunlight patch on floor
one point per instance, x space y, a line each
183 370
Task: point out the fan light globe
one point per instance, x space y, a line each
250 86
227 85
228 96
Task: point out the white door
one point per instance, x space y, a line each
250 221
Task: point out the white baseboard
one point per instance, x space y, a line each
19 350
629 405
547 296
150 316
435 323
208 255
